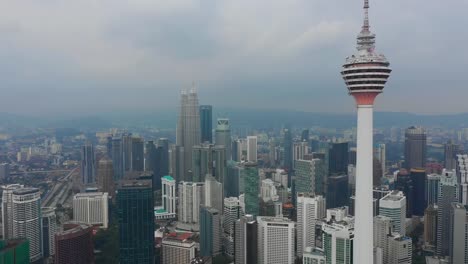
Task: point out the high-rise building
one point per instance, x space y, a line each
300 150
418 177
88 164
288 150
462 176
14 251
7 209
246 239
127 152
450 155
188 128
380 154
404 183
209 159
27 219
275 240
74 245
251 188
448 194
337 239
49 228
178 248
151 158
338 158
382 230
105 176
393 205
231 214
163 157
252 148
191 196
177 161
206 123
313 256
232 180
4 171
169 194
136 222
432 188
223 136
91 208
213 193
305 135
400 249
415 148
458 248
210 232
310 175
117 158
310 209
138 154
337 193
430 227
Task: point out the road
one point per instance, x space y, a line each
59 193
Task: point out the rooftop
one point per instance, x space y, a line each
169 178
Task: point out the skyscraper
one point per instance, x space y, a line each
209 159
246 239
430 227
210 232
252 148
136 222
300 149
310 176
213 193
178 248
231 214
188 128
169 194
223 136
117 158
338 238
88 164
337 192
27 219
275 240
127 152
380 154
74 245
91 208
450 152
462 176
7 209
251 187
418 177
393 205
288 154
415 148
162 157
448 194
49 228
338 158
105 176
458 233
365 75
14 251
191 196
432 188
138 154
310 209
206 123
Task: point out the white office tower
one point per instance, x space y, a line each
213 193
337 237
231 214
313 256
379 154
432 188
459 234
223 136
191 196
49 228
338 214
178 248
462 176
281 176
394 248
448 194
310 209
169 194
300 149
393 205
7 209
268 190
400 249
252 148
275 240
382 228
27 219
91 208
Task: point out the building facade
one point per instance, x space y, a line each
275 240
91 208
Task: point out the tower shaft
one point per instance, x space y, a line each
363 226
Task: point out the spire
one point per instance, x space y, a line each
366 39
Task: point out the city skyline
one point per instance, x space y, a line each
135 54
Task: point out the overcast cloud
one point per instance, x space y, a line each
84 56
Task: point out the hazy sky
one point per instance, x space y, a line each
72 56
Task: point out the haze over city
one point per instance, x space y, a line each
57 56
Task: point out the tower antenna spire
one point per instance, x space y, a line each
366 39
365 26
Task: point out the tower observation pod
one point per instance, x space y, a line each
365 74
